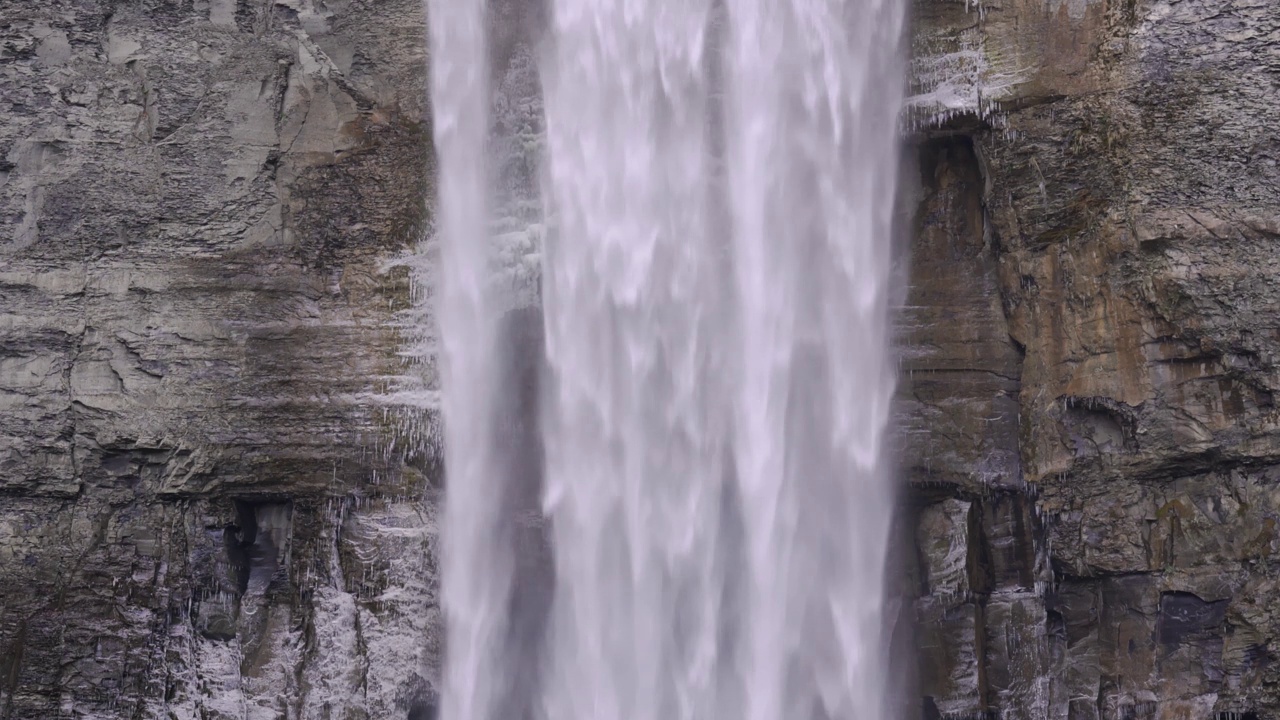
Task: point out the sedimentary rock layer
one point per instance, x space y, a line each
197 513
1091 354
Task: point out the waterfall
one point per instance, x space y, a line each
718 187
476 561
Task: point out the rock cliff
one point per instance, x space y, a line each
199 515
205 507
1091 347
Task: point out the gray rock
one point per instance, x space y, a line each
207 508
199 515
1126 172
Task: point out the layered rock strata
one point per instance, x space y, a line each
204 511
199 515
1091 360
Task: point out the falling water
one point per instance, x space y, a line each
719 185
477 564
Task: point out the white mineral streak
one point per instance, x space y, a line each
956 73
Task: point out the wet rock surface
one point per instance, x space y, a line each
198 515
1107 187
202 513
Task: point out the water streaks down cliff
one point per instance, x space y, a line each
718 188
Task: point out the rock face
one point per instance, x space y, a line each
1091 345
199 515
206 510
